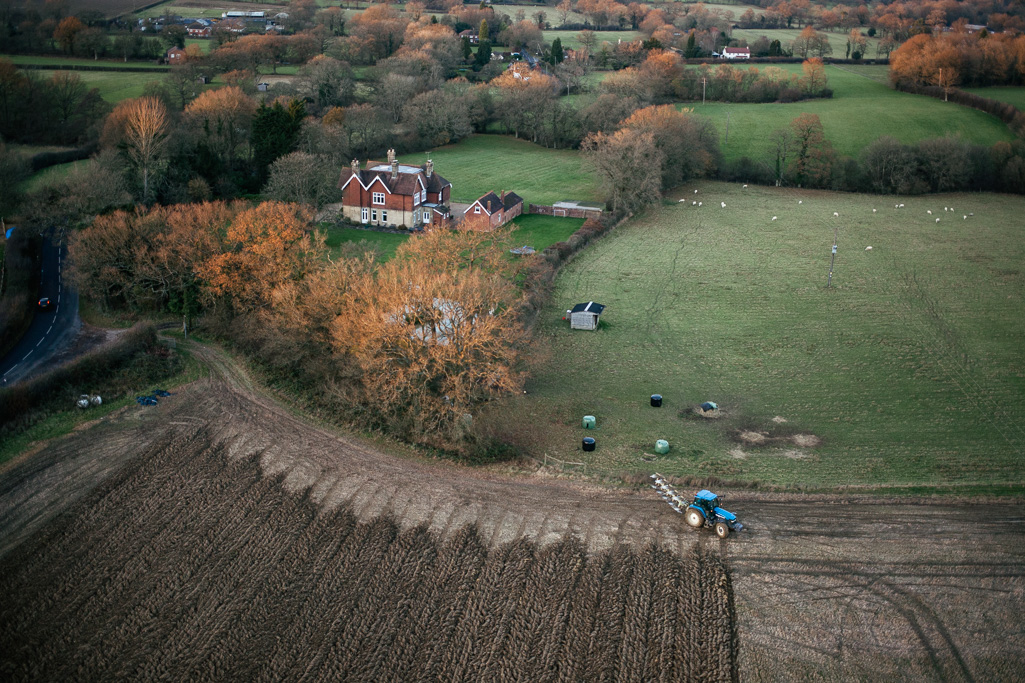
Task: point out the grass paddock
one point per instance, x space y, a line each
907 371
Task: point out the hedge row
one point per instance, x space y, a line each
1008 113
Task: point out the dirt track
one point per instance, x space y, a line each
857 590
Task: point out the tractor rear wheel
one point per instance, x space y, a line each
721 530
695 518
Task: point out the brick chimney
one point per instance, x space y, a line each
503 198
391 156
355 166
394 169
429 169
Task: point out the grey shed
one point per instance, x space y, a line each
585 316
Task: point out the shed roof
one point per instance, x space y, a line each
589 307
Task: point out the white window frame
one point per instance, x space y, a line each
427 216
378 198
476 209
416 198
384 216
373 216
364 214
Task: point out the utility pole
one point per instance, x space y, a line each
832 258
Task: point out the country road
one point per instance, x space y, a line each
50 329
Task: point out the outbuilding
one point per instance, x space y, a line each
585 316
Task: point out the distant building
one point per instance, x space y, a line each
175 55
736 53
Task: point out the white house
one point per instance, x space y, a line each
736 53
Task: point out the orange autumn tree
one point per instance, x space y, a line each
433 342
265 247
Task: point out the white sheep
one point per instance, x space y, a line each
836 215
868 248
902 206
873 210
699 203
773 218
929 211
937 220
745 187
800 201
722 204
964 218
693 203
695 191
682 201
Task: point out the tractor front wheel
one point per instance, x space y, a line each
721 530
695 519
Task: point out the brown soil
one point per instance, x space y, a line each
185 521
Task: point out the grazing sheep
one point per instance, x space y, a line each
773 218
693 203
902 206
699 203
836 215
929 211
873 210
695 191
964 218
800 201
745 187
868 248
682 201
937 220
722 204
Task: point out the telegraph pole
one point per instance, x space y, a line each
832 258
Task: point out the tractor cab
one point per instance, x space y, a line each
706 500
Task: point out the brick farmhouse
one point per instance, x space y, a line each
395 195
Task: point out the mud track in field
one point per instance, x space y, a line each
829 588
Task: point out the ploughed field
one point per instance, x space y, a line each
217 536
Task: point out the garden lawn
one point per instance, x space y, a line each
482 163
908 370
861 110
532 230
1014 95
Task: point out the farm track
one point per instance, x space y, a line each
176 541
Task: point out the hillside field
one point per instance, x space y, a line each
862 109
907 371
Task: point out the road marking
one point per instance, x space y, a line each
27 355
11 370
39 342
48 331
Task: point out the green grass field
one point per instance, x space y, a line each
482 163
48 175
786 36
571 39
74 61
909 370
1011 94
861 110
113 86
530 229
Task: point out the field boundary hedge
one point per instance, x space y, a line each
93 67
47 159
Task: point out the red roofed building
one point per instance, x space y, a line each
496 210
394 195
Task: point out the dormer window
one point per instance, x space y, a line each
379 198
476 209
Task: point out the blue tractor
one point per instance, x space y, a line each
705 511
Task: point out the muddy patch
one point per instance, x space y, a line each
758 438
